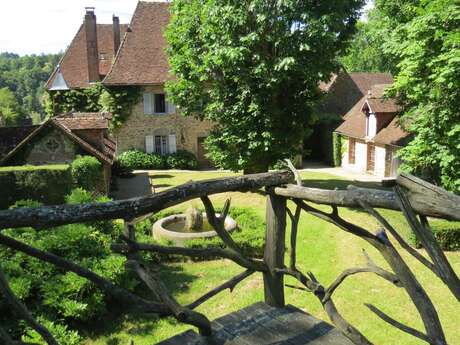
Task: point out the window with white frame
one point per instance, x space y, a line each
160 144
157 104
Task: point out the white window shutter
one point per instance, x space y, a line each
149 148
171 108
148 102
172 143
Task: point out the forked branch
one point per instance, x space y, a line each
230 284
181 313
426 237
370 268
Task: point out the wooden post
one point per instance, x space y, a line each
274 250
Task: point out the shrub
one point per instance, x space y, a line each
135 159
182 160
249 235
337 149
446 234
53 293
87 173
47 184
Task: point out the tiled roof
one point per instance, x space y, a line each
366 80
355 121
84 121
65 124
392 134
379 103
74 63
141 59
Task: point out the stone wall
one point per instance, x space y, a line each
53 147
131 135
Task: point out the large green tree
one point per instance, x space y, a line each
25 76
428 86
10 110
253 66
368 50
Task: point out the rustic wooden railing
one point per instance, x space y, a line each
414 197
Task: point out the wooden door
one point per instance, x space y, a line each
370 158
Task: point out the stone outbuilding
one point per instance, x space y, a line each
60 140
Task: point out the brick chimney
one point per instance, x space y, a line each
116 33
91 45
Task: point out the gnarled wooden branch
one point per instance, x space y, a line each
218 223
47 216
297 176
312 284
132 302
23 312
381 242
399 325
370 268
181 313
294 227
229 284
375 197
386 225
252 264
426 237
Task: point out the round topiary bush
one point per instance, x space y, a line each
182 160
135 159
87 172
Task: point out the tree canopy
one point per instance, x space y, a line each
253 67
10 110
428 87
25 77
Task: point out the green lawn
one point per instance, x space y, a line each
323 249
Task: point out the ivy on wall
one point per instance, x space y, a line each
117 100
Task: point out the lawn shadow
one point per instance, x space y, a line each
115 319
152 176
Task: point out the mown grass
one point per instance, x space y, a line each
35 167
323 249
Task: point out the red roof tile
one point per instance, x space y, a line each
392 134
76 121
74 63
141 59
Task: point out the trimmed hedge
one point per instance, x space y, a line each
135 159
447 235
337 149
87 173
182 160
47 184
138 160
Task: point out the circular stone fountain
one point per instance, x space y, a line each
179 228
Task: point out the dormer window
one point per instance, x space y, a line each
371 128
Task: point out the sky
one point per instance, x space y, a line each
48 26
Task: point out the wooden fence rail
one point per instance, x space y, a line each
413 197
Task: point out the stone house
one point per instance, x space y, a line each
59 140
132 55
373 135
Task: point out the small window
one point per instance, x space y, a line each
165 144
160 103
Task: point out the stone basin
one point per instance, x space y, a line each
169 228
